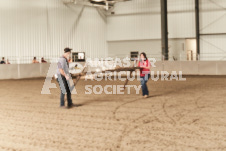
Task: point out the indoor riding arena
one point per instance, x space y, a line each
112 75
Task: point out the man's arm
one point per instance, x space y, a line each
64 74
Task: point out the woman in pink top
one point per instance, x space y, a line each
145 66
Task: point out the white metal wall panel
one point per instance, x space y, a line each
181 18
181 25
137 6
91 34
135 20
122 49
212 22
134 27
140 20
44 28
180 5
207 5
213 47
212 28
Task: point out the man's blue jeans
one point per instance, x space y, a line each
143 81
64 87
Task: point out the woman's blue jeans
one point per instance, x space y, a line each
143 81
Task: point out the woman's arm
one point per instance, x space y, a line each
148 65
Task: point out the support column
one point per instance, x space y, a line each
164 30
197 25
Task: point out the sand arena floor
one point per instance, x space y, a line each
181 116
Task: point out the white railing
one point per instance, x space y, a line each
157 57
28 59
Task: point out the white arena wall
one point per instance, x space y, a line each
212 29
23 71
138 22
43 28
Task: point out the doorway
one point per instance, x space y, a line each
191 49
